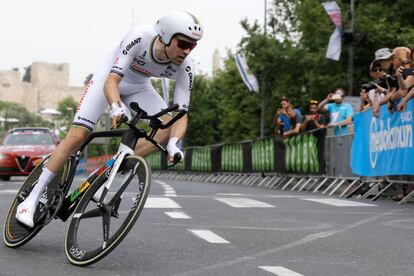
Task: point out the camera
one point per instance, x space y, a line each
336 97
382 81
407 72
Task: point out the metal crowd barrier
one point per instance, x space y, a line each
315 161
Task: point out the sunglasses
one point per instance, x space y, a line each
313 102
184 44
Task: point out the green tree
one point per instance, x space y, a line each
9 110
238 110
67 107
203 115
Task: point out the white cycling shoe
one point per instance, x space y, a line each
25 213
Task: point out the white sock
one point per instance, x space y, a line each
36 193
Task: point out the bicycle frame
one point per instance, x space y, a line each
112 165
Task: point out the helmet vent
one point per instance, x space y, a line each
190 28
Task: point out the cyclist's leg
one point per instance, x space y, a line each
151 102
91 107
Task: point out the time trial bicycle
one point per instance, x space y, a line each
105 206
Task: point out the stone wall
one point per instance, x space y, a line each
49 85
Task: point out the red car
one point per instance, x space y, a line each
23 148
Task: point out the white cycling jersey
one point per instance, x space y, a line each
134 60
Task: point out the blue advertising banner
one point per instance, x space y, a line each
383 145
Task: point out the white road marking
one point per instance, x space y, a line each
177 215
208 236
339 202
228 194
168 190
8 192
280 271
160 202
244 203
160 182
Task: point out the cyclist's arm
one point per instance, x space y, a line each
182 93
129 46
111 88
179 128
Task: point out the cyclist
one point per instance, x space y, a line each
159 50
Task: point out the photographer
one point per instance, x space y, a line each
340 113
281 120
313 120
400 57
369 94
384 56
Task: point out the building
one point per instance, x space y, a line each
48 86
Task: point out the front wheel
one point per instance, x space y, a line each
97 228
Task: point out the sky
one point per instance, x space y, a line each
82 33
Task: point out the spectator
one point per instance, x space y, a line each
281 120
313 120
340 113
400 57
295 122
384 56
406 81
369 98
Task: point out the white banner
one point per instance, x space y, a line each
334 46
335 41
248 78
166 89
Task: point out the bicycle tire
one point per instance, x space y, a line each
81 247
15 234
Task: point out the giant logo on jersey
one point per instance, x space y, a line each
130 45
190 77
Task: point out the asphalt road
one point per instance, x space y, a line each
190 228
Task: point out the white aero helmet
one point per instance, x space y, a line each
179 22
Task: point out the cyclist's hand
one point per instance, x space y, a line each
117 110
174 151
